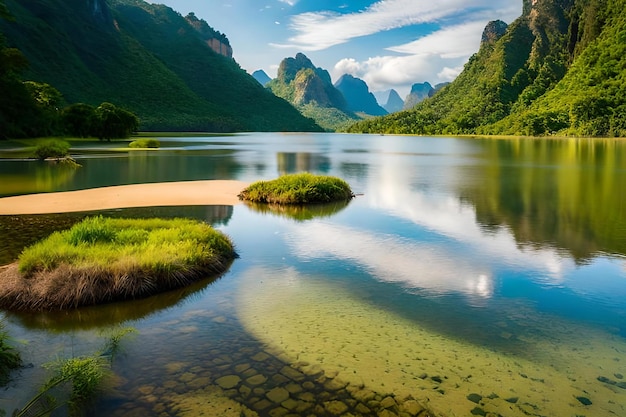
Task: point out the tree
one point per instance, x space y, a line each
79 120
112 122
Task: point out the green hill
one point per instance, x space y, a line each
146 58
558 69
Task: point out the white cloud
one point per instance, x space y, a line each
289 2
437 57
451 42
320 30
400 72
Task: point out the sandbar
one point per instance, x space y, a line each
184 193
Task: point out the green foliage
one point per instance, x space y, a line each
9 357
52 148
145 143
79 120
150 60
303 188
559 70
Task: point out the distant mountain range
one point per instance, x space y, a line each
559 69
174 72
390 100
261 76
358 96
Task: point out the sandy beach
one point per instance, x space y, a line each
185 193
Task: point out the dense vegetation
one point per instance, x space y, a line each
558 69
303 188
143 57
104 259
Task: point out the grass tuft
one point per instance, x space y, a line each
303 188
145 143
103 259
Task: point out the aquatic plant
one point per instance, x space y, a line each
145 143
302 188
75 381
9 357
104 259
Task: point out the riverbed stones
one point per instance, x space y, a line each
255 380
278 395
241 374
228 381
335 407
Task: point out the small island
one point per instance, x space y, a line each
102 260
302 188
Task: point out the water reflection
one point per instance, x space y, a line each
299 212
567 194
292 162
27 177
109 315
392 259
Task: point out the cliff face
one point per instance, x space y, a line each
309 83
215 40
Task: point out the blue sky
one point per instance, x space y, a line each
387 43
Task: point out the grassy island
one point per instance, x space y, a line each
303 188
101 260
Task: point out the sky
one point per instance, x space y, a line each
386 43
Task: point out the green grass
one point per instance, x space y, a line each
303 188
145 143
52 148
105 259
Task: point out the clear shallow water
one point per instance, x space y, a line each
464 266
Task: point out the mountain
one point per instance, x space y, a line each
394 102
310 89
174 72
358 96
390 100
560 68
261 76
419 92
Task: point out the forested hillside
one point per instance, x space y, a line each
146 58
558 69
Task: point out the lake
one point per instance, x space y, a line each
472 275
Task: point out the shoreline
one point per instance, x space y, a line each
181 193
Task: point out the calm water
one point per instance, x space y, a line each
473 275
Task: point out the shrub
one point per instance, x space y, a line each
303 188
145 143
52 148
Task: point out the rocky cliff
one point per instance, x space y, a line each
215 40
419 92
